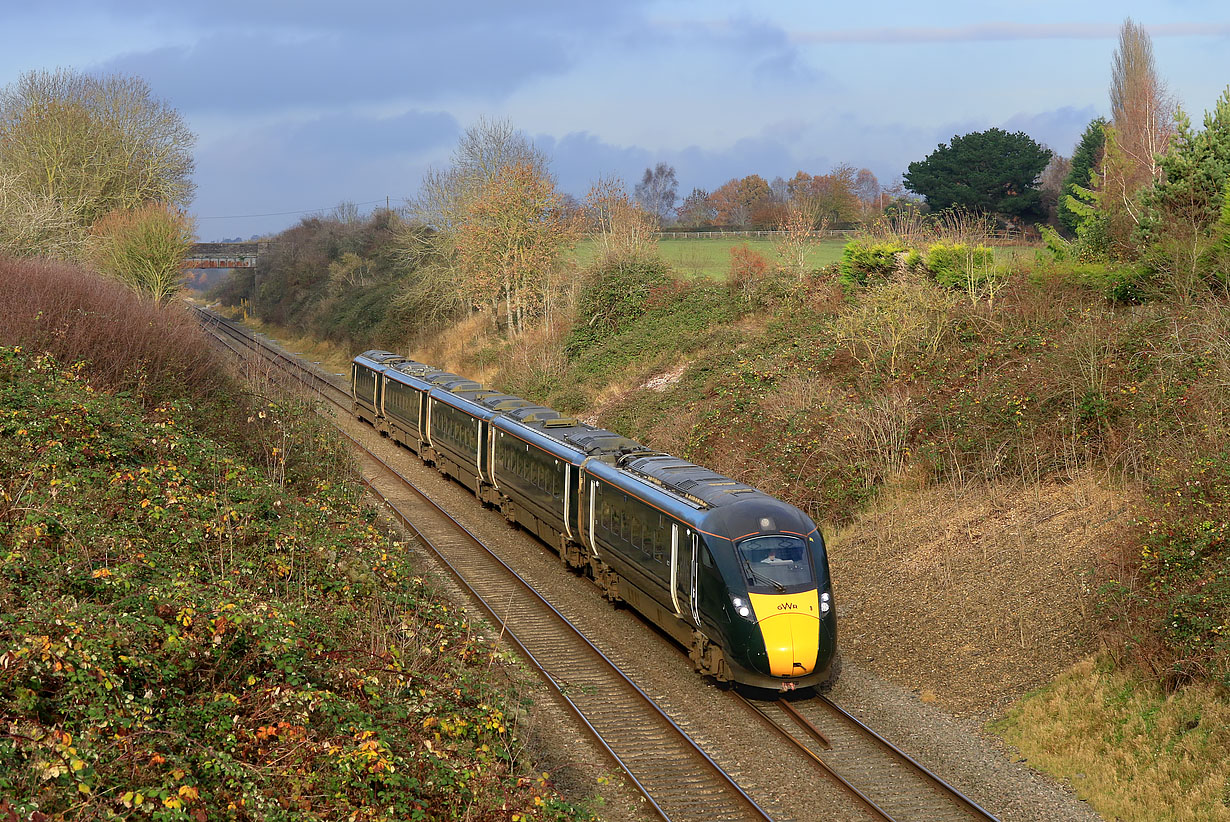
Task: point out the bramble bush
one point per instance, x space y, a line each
180 639
1179 590
614 296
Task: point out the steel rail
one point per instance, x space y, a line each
808 727
955 801
831 772
930 775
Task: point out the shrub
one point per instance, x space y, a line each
1121 283
142 248
613 296
131 344
897 319
862 260
748 270
958 265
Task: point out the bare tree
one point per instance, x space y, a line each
1142 110
436 285
867 189
486 148
81 147
1142 123
32 225
697 210
799 234
657 191
1051 184
619 227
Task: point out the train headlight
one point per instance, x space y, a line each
743 608
825 602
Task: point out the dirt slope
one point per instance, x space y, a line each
972 598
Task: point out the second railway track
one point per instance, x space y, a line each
677 777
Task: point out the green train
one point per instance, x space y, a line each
740 579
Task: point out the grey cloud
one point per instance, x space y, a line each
328 16
312 166
251 73
767 49
984 32
1059 129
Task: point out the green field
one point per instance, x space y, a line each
711 257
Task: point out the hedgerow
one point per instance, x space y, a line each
180 639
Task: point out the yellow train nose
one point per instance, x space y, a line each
790 625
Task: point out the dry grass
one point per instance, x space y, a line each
331 357
1135 753
978 593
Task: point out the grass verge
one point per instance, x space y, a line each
1132 751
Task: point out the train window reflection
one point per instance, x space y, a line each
775 562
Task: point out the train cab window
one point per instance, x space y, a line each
706 559
775 563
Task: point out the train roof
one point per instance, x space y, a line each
415 369
688 479
503 402
457 385
385 358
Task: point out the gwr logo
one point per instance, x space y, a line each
788 606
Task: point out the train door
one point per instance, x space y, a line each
685 550
693 576
570 504
420 417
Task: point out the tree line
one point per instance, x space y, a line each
97 170
845 196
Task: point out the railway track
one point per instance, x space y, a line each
891 784
678 778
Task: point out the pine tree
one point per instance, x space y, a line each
1085 159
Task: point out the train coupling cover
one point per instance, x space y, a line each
786 686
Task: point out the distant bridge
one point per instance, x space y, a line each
223 255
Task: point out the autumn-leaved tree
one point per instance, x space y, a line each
738 200
696 210
831 198
142 247
75 147
510 240
436 288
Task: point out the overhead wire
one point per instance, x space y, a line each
289 213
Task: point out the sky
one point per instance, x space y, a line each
301 105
